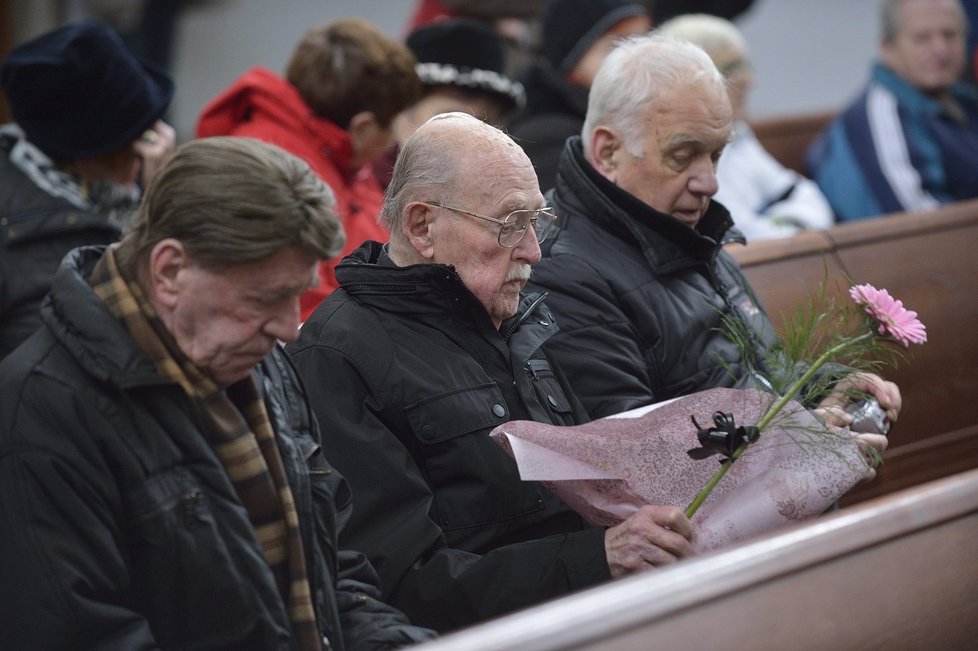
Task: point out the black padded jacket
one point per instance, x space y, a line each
408 376
121 528
640 296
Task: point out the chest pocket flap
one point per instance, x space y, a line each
456 413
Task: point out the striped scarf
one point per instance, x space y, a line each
237 427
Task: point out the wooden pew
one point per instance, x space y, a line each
893 574
928 261
787 138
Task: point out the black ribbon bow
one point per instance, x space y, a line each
724 438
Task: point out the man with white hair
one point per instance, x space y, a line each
427 346
636 271
910 141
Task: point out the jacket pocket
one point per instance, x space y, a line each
184 577
457 413
549 392
473 482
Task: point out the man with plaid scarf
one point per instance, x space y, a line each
162 483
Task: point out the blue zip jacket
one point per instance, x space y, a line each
896 149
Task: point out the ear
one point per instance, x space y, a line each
361 127
416 225
166 260
606 147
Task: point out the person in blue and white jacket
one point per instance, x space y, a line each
910 142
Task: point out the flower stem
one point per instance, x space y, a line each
768 416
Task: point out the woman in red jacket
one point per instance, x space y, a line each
343 86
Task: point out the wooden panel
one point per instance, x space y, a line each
933 268
784 272
891 574
788 138
920 461
926 260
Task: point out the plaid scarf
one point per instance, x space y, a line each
237 427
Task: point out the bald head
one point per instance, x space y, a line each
460 191
445 156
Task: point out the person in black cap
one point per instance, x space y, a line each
462 66
87 135
575 37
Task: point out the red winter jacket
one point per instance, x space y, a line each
262 105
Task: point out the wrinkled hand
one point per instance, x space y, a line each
653 536
832 407
154 148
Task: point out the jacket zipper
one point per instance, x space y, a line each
380 289
187 500
524 316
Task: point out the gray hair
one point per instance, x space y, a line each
632 77
232 200
891 21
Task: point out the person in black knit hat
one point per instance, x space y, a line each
462 66
575 37
87 135
465 59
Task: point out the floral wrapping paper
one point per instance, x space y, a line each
608 468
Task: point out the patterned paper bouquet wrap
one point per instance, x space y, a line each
781 465
606 469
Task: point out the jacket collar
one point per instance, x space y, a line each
424 291
97 340
667 243
915 100
79 320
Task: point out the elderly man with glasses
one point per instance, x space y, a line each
429 344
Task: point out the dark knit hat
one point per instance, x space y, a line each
466 53
570 27
77 92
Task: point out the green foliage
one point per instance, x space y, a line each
819 323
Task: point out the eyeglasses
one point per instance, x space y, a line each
514 225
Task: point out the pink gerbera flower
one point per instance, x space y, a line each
894 319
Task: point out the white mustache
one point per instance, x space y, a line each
519 271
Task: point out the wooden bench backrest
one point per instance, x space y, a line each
787 138
928 261
893 574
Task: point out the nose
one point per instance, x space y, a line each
704 179
528 250
285 324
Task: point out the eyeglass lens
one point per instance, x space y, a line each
519 221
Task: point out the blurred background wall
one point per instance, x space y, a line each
808 56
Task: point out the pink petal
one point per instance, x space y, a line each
894 319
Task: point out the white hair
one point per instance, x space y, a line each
633 76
